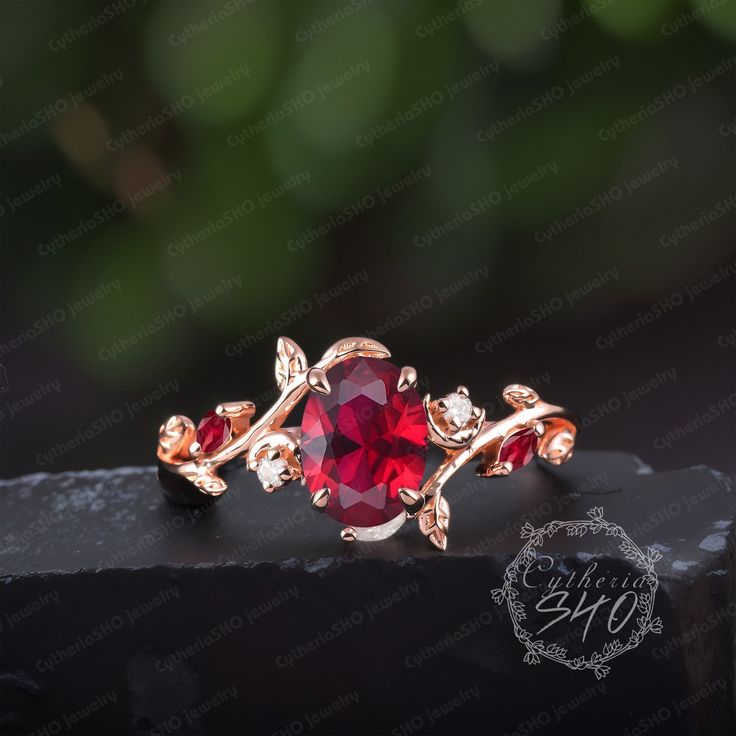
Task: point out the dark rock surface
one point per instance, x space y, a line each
122 613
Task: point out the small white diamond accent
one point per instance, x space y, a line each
459 409
269 472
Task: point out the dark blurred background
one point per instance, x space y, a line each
533 191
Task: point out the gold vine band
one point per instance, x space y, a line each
362 445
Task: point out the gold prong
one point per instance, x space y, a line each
413 501
320 499
232 409
463 391
273 453
539 429
348 534
501 469
407 378
195 449
456 424
317 381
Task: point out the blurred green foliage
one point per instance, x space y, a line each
307 83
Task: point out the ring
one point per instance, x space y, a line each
361 449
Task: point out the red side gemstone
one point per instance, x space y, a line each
364 441
519 448
212 431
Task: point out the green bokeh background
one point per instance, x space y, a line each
280 54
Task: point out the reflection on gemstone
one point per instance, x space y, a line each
213 431
519 448
364 440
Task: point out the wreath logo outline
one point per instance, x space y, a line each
537 648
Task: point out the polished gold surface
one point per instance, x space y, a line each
320 499
413 501
407 378
317 381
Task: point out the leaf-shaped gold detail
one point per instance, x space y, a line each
290 360
434 521
213 485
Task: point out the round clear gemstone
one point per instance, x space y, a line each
459 409
269 471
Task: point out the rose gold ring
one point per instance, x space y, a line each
362 445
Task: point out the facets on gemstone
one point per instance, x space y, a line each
213 431
519 448
364 441
269 472
458 409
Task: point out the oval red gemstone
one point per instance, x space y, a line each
519 448
213 431
364 440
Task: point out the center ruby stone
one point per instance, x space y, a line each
364 440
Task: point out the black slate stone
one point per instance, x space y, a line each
125 614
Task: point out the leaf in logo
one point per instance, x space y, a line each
526 531
643 603
531 658
527 558
552 650
555 650
629 550
551 527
